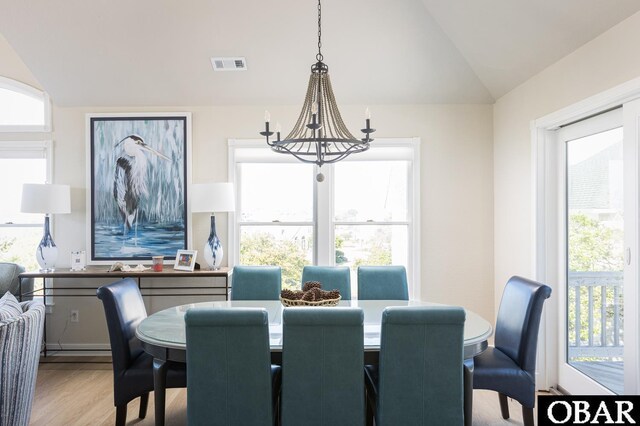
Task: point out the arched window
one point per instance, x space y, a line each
23 108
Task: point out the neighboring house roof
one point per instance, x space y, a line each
593 182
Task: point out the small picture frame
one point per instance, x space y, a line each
185 260
78 260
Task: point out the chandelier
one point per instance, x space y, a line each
319 136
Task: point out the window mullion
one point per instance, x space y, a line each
323 210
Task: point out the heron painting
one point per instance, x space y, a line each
138 187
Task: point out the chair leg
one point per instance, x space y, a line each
144 402
369 421
276 411
504 405
527 416
370 408
467 372
121 415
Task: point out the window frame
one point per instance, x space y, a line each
323 222
277 222
25 89
24 150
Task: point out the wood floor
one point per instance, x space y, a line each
72 393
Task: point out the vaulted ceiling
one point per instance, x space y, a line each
157 52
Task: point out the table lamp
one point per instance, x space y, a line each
48 199
211 198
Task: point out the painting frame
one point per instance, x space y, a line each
185 260
121 227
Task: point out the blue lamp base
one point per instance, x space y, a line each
213 252
47 252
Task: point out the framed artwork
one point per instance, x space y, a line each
137 186
185 260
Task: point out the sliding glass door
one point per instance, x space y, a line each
594 227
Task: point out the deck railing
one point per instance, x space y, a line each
598 331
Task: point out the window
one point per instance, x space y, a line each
370 220
364 213
20 233
276 218
23 108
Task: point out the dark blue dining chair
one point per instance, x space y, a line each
132 367
231 379
382 283
322 367
509 367
256 283
331 278
419 378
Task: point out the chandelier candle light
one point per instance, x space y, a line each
211 198
319 136
48 199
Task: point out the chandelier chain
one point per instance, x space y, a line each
319 55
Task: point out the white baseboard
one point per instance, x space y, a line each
78 349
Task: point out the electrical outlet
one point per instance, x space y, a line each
75 315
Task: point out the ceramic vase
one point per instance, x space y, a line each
213 252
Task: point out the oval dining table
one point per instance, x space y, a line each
163 336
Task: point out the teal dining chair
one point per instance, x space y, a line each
322 367
382 283
256 283
331 278
229 372
419 378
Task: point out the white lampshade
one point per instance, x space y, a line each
45 198
212 197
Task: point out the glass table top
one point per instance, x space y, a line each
166 328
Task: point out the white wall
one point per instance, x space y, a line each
456 199
456 182
606 61
13 67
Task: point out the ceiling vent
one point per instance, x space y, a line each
229 63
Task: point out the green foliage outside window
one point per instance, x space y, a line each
21 249
263 249
379 255
340 256
593 247
378 249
